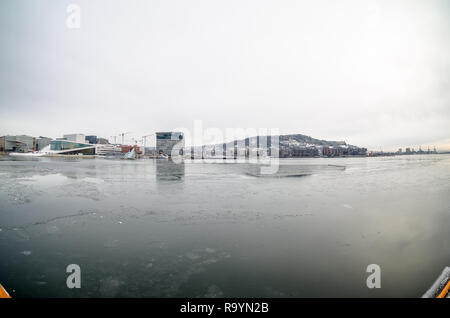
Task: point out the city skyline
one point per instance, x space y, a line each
146 142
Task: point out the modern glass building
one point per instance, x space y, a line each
91 139
71 148
168 142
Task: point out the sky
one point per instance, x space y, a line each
373 73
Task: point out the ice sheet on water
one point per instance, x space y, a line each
293 170
214 292
110 286
44 181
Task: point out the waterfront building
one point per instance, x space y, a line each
167 141
19 143
107 149
68 147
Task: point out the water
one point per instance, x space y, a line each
149 228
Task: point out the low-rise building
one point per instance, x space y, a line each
107 149
19 143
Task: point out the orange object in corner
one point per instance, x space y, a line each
445 290
3 292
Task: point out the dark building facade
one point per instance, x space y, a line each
167 141
96 140
91 139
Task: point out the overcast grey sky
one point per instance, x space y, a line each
372 73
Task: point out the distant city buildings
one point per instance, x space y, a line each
411 151
287 146
69 144
408 151
172 143
297 149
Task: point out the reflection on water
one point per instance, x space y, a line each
293 170
156 228
168 170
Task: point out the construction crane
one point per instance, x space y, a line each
144 141
136 141
123 134
144 138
